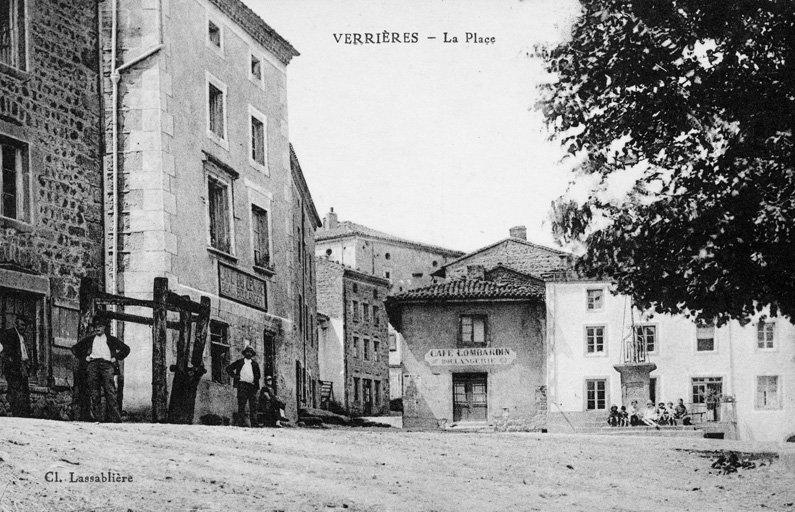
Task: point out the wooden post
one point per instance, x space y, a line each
159 342
182 405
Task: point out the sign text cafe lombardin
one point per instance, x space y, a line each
469 356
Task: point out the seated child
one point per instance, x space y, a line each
614 417
650 415
671 412
634 413
624 421
680 412
662 414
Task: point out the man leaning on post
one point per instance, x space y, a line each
101 352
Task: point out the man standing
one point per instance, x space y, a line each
17 364
101 353
246 375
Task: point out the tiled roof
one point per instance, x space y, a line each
347 228
471 289
526 257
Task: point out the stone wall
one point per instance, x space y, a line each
525 422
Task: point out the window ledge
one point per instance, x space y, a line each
21 226
268 271
15 72
222 254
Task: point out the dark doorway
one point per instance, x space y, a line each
653 390
470 397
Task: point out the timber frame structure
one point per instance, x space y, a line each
194 318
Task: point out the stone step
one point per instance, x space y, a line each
667 431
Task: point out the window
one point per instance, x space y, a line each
377 389
12 33
376 350
387 256
220 232
355 346
14 181
646 336
367 391
392 342
765 334
259 224
388 274
595 340
705 338
366 313
258 151
366 343
705 387
595 299
376 318
355 288
14 304
356 311
213 35
596 394
219 352
256 68
767 395
472 329
375 293
216 110
356 389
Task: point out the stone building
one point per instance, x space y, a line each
405 263
474 352
203 189
593 335
51 182
354 345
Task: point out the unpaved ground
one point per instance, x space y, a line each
185 468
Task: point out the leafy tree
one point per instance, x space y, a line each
690 104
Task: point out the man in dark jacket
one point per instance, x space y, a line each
246 375
18 362
101 353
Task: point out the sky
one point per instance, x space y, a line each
433 141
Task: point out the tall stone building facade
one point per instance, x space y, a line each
51 182
202 188
406 264
354 345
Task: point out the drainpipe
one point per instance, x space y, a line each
115 77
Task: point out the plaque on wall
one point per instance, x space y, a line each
241 287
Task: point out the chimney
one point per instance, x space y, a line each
519 232
476 272
331 221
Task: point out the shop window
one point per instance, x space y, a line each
595 340
377 393
14 180
596 394
12 33
472 329
767 392
356 389
219 351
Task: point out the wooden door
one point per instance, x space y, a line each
470 397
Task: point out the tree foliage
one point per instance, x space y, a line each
693 103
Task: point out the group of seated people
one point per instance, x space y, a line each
651 416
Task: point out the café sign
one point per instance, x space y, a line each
241 287
469 356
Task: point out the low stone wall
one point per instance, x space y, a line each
45 403
536 422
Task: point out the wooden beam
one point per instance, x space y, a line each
159 341
119 300
136 319
202 327
182 303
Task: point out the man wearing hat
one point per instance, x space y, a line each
98 355
246 375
